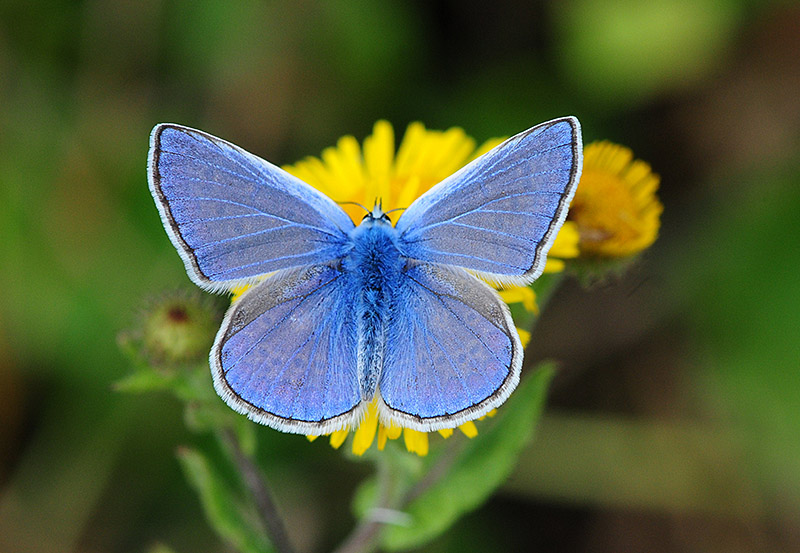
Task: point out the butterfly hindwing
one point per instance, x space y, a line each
499 215
234 216
456 351
286 353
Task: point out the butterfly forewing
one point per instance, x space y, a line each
286 353
499 214
233 216
454 354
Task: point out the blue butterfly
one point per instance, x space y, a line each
347 313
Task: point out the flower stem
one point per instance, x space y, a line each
546 287
365 536
362 539
438 471
259 489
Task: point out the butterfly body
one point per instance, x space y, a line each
373 267
338 315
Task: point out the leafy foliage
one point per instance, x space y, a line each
224 509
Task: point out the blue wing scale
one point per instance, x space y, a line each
234 216
286 353
457 353
498 216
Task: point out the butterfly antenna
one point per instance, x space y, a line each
354 203
396 209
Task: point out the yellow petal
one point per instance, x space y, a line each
393 431
520 294
381 437
469 429
378 161
449 154
379 149
446 432
365 433
338 438
615 206
422 445
410 148
409 190
343 183
525 338
566 243
311 438
554 265
238 291
416 442
312 171
422 162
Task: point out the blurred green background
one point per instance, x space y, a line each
674 422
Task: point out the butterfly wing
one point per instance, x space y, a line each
234 216
285 355
498 215
456 354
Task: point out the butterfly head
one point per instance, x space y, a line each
377 215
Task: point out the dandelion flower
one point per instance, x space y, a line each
615 207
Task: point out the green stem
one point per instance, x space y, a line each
438 471
545 287
365 536
259 489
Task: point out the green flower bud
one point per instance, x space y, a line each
178 328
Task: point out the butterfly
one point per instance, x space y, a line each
341 315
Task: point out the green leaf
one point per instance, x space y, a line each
145 380
160 548
482 466
189 384
223 510
365 497
245 430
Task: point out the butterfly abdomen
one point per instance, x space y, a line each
373 265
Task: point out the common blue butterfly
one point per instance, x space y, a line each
346 313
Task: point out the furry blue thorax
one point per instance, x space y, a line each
374 264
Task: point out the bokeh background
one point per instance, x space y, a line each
674 422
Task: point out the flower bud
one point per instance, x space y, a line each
178 328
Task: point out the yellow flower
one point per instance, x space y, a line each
615 207
349 172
